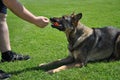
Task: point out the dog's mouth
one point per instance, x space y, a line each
56 24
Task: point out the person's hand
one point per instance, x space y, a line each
41 21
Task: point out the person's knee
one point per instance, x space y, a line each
2 17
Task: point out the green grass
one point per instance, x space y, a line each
48 44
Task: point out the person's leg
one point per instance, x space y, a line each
4 34
7 54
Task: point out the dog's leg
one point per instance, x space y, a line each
64 67
117 48
58 63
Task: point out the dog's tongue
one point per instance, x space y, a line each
56 24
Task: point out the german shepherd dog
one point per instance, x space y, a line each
85 44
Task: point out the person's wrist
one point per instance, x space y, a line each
34 21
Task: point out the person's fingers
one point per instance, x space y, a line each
45 19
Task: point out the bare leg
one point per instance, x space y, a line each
4 34
5 48
64 67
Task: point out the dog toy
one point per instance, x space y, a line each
56 24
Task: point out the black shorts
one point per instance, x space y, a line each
3 8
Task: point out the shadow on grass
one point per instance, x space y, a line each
48 67
43 68
28 69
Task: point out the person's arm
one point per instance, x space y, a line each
19 10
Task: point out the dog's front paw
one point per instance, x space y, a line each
42 64
53 71
50 72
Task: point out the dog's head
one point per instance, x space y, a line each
66 22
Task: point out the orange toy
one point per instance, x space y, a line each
56 24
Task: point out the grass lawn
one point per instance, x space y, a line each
48 44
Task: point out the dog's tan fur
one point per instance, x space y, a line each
85 44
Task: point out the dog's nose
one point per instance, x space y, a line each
52 19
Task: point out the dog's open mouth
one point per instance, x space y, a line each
56 24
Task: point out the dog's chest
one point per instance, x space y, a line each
75 54
72 52
78 53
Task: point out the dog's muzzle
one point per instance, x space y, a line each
57 25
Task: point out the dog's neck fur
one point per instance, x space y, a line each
78 35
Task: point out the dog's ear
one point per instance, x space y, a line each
78 16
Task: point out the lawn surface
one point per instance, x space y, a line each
48 44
